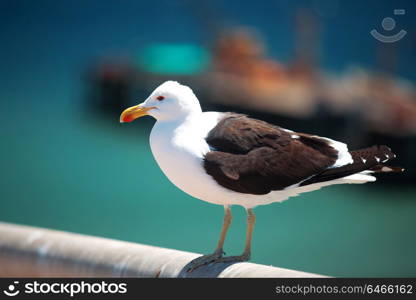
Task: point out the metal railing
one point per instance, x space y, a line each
36 252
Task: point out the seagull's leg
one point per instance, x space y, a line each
251 220
206 259
226 224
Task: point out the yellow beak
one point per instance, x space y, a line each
134 112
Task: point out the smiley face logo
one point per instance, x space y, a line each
389 24
11 290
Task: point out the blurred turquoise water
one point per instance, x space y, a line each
96 176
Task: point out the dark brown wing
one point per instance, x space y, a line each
252 156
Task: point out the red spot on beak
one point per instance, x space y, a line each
127 119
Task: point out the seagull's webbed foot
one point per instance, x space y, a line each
216 258
204 260
239 258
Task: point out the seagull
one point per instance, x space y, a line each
231 159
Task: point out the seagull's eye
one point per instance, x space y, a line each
160 98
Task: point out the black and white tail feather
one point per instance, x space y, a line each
366 161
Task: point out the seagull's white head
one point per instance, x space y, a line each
169 101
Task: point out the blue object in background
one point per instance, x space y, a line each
177 59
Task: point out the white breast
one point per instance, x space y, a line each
179 148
